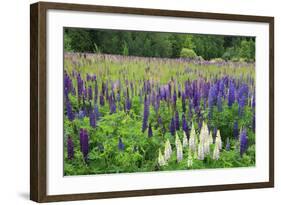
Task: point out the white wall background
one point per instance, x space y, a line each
14 101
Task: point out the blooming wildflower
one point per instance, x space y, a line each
69 111
219 102
184 140
216 153
101 100
150 134
93 122
201 154
96 92
161 160
211 139
145 114
218 140
177 121
84 143
212 97
90 93
231 94
167 151
70 148
243 142
184 125
192 139
172 126
121 145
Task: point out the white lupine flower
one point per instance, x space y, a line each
204 133
168 150
218 140
189 159
200 155
192 139
216 153
179 148
207 146
161 160
184 140
211 140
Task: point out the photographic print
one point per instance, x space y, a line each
139 101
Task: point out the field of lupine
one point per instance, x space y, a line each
134 114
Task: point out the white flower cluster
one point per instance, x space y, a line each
198 147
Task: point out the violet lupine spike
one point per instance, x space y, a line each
177 120
172 127
93 120
184 125
97 113
235 130
90 93
231 94
69 111
212 97
96 91
79 85
102 103
145 114
84 143
219 102
121 145
112 105
242 97
70 148
243 142
150 134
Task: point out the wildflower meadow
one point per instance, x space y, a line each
125 114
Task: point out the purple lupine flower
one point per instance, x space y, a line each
177 120
112 105
79 86
96 92
127 104
97 113
196 99
242 97
93 120
172 127
221 87
145 113
243 142
84 143
253 104
90 93
235 130
227 146
219 102
102 100
150 134
70 148
184 125
121 145
212 97
69 111
231 94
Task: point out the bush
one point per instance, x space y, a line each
188 53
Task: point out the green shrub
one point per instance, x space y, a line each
188 53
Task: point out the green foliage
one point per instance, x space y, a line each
155 44
187 53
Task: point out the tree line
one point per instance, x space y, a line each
156 44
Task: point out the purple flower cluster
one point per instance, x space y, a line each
84 143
